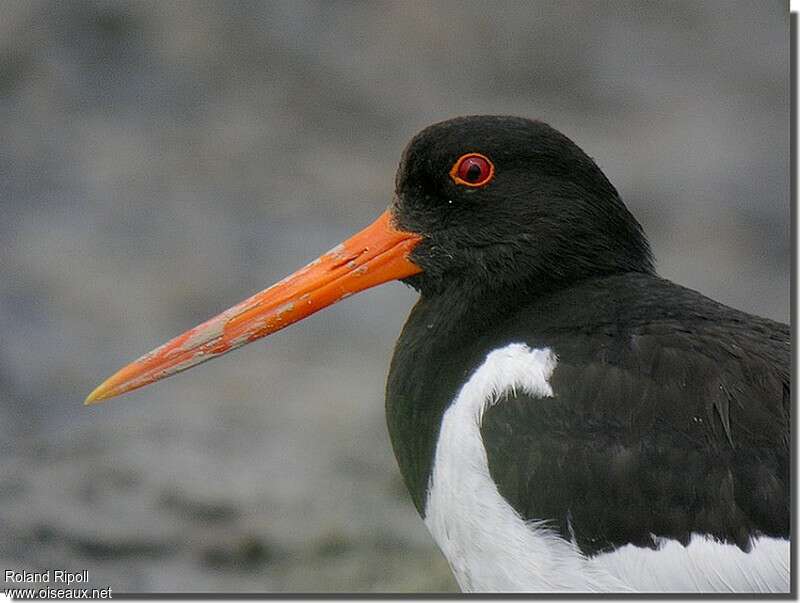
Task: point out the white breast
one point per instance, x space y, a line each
490 548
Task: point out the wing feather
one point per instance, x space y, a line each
656 432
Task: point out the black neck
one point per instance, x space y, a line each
439 347
447 336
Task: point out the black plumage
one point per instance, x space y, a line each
670 413
670 416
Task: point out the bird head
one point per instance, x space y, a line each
482 202
506 201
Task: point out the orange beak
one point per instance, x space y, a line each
377 254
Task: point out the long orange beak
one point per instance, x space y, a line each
377 254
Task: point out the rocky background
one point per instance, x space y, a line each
160 161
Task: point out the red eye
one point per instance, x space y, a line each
473 170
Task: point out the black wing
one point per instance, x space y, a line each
653 431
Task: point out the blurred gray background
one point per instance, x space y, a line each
161 161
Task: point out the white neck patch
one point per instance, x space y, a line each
490 548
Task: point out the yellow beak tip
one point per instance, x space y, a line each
98 395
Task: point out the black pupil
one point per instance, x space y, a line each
473 173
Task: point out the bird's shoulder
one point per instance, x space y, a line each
669 416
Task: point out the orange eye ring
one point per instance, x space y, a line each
473 170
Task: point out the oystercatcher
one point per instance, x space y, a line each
564 419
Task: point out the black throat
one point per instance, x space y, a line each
443 341
446 337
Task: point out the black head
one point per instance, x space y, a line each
545 217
